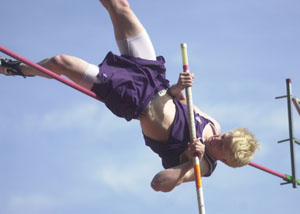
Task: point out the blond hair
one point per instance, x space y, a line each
243 146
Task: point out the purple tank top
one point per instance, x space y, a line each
171 150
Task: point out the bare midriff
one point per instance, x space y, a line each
158 117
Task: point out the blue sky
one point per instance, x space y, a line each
64 152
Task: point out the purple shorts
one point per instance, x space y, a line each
129 83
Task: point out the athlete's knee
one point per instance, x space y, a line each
117 6
61 60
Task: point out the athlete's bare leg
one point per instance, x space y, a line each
69 66
125 22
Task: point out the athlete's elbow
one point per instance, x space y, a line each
159 184
160 188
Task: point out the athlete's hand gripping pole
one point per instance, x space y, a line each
193 136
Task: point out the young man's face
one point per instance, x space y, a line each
219 146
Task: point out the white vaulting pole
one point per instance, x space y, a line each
193 135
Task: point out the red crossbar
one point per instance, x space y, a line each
50 73
258 166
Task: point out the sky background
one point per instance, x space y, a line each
64 152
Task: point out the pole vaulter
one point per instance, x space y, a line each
285 177
193 136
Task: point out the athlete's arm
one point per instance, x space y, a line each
168 179
185 80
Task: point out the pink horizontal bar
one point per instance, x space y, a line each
50 73
278 174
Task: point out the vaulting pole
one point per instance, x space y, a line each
193 136
50 73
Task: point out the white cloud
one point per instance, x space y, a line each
31 204
247 114
81 117
133 176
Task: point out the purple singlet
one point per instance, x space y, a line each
171 150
